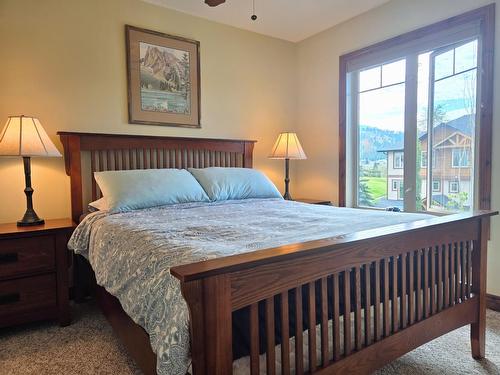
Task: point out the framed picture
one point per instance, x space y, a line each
163 79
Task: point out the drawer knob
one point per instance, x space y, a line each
8 258
5 299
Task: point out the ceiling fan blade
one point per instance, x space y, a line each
214 3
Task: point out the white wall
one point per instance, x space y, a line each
318 68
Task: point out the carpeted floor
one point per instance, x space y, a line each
88 346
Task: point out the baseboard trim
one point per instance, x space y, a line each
493 302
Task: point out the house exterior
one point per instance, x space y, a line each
451 165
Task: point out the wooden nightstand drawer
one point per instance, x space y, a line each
31 295
27 255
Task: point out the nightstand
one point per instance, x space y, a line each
34 264
314 201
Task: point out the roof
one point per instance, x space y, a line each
463 124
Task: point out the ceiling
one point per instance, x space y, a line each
292 20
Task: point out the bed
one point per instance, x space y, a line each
350 301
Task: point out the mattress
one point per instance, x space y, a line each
132 253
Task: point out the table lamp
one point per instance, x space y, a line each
287 147
24 136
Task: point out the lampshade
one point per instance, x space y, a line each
287 146
25 136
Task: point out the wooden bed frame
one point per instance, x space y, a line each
440 262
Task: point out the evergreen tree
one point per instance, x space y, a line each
365 197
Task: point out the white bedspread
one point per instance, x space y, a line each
131 253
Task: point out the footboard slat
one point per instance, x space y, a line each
377 315
357 310
433 279
375 309
446 261
452 273
440 278
347 313
325 356
418 288
336 317
469 270
254 339
463 271
458 259
312 326
403 309
394 297
411 289
285 336
426 305
299 323
368 303
270 351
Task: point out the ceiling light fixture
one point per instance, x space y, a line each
254 16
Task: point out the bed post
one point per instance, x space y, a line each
478 328
209 302
73 166
248 154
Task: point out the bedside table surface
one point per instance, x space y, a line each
51 224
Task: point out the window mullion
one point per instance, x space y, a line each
410 134
430 126
353 134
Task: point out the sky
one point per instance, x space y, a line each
384 107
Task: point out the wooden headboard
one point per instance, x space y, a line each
86 153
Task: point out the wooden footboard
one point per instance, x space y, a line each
363 299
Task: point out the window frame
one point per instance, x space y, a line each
484 19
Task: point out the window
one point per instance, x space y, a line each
460 157
398 160
410 113
454 187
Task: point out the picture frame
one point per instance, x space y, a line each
163 78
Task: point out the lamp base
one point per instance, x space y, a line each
30 218
287 196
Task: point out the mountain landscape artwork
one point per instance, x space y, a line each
163 79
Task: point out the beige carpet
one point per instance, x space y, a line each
88 346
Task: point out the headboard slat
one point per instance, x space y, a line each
125 152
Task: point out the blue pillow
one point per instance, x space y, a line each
143 188
235 183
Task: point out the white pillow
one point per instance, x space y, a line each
235 183
98 205
134 189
